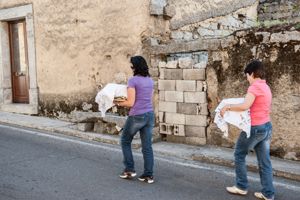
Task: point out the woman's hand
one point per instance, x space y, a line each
224 109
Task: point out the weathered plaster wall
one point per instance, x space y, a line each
81 45
278 48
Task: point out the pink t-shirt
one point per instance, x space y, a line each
261 107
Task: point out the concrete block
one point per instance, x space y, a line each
166 85
173 74
174 96
85 127
185 86
194 74
196 120
164 106
195 141
195 97
186 62
195 131
187 108
165 128
172 64
178 130
202 109
199 86
175 118
161 116
161 96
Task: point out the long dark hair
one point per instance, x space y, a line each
139 66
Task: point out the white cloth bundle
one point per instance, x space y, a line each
241 120
106 96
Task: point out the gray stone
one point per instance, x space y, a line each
173 74
201 65
169 11
177 35
194 74
186 62
85 127
188 36
157 7
172 64
81 117
116 119
285 37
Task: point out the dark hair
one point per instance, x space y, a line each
139 66
257 68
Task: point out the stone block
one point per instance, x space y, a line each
195 141
175 118
178 130
196 120
166 85
173 74
157 7
195 131
195 97
186 62
174 96
185 86
188 36
177 35
187 108
201 65
169 11
205 32
173 64
85 127
164 106
99 127
154 72
162 64
161 96
194 74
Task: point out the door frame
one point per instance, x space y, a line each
6 90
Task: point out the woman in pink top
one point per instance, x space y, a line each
258 99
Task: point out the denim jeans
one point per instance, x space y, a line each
260 142
143 123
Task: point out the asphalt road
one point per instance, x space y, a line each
40 166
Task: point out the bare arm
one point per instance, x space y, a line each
130 99
249 99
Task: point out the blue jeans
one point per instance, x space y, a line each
143 123
260 142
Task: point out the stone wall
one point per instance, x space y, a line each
279 10
230 40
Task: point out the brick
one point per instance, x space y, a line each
161 96
174 96
185 86
178 130
195 131
202 109
186 62
172 64
175 118
187 108
195 97
196 120
164 106
173 74
195 141
166 85
194 74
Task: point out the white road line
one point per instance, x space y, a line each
185 164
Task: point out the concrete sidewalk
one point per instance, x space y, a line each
208 154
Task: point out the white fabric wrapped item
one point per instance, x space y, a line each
241 120
106 96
